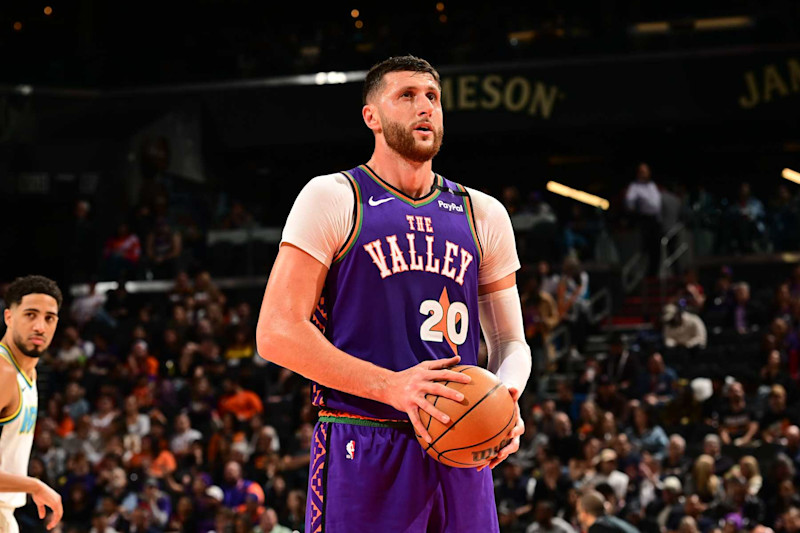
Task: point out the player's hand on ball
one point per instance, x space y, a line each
513 436
47 497
408 389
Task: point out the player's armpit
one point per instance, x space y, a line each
9 390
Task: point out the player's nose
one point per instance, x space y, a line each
424 106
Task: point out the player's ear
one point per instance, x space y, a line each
371 117
7 316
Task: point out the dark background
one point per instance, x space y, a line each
85 85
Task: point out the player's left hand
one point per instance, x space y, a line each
513 436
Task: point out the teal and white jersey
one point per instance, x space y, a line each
16 430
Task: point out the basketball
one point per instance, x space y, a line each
478 424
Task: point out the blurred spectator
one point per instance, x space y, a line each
712 447
738 423
606 471
572 299
594 518
745 228
184 436
87 307
237 217
748 468
545 520
682 328
183 518
675 462
236 489
745 315
739 504
670 507
242 347
774 373
691 292
703 482
73 350
81 244
609 399
657 386
243 404
163 247
122 254
778 416
295 509
784 220
510 491
643 201
541 317
646 434
621 366
563 442
269 523
552 484
580 233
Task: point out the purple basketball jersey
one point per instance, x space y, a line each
404 287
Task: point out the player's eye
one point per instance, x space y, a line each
433 97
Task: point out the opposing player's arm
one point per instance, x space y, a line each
42 494
9 391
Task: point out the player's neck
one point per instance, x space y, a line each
413 178
25 363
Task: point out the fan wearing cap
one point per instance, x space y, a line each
672 503
605 464
682 328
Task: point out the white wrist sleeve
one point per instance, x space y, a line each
501 322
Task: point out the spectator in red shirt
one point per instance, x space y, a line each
122 253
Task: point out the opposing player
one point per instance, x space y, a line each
31 317
385 275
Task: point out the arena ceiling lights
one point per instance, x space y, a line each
575 194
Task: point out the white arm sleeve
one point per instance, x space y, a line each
496 236
501 322
321 217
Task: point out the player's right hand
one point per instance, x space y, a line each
408 388
47 497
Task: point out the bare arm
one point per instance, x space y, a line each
286 336
43 496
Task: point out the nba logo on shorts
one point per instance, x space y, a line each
351 449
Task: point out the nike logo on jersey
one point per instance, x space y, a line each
375 203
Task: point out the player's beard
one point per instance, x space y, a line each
36 351
402 141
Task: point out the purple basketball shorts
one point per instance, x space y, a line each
374 476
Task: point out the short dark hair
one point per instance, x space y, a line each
593 503
407 63
32 284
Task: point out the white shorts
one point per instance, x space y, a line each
8 524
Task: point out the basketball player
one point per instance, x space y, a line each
385 276
31 316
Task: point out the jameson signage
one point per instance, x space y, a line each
771 82
746 86
494 92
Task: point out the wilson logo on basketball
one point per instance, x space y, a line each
480 456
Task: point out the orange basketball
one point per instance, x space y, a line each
478 424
